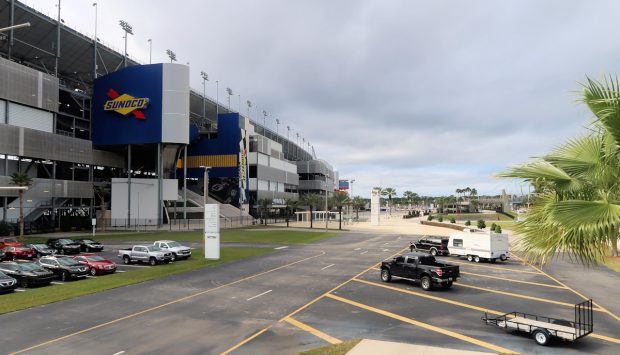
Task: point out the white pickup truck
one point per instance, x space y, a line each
146 254
178 251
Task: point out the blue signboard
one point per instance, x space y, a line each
127 106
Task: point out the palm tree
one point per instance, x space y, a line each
102 192
357 203
389 192
339 199
291 204
21 179
263 204
408 196
577 208
311 200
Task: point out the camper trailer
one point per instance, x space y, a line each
478 245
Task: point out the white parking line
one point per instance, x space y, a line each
264 293
357 248
328 266
119 353
57 283
20 290
121 271
135 265
364 252
284 247
386 243
90 277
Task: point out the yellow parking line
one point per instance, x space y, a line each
465 305
309 303
494 267
521 296
314 331
162 305
426 326
511 280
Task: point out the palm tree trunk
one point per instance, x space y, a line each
21 214
340 221
614 244
310 217
103 209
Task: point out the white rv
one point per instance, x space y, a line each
478 245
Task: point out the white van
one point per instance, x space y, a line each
478 245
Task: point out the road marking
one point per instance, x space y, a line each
465 305
57 283
602 309
119 353
357 249
494 267
328 266
364 252
460 284
512 280
386 243
128 265
164 305
264 293
121 271
245 341
426 326
284 247
20 290
328 338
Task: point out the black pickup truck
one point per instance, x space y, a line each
420 267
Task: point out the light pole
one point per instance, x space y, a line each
249 107
217 99
206 182
205 78
11 28
277 125
230 93
288 141
150 51
264 123
326 214
171 55
95 45
128 30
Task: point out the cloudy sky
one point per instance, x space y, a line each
426 96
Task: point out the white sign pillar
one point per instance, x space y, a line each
212 231
375 206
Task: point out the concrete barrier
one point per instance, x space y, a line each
444 225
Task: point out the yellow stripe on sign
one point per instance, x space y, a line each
426 326
328 338
215 161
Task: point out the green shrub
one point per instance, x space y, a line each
440 219
5 229
452 220
430 217
481 224
493 226
498 229
468 223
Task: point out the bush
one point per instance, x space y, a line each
430 217
493 226
498 229
452 220
468 223
5 229
481 224
440 219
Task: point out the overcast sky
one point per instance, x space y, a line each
426 96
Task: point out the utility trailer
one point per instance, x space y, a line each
543 329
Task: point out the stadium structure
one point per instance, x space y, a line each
103 135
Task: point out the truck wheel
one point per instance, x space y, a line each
174 257
23 283
446 284
433 252
477 258
427 284
126 259
64 276
541 336
152 261
385 275
470 258
503 257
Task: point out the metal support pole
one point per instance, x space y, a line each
95 46
206 186
160 182
53 191
326 215
11 23
92 199
129 185
57 41
217 99
185 183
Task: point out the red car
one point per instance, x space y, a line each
97 264
14 253
9 242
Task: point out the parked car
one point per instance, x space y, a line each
64 246
89 245
2 255
178 251
420 267
14 253
477 245
27 273
145 253
433 245
9 242
64 267
97 265
7 283
41 249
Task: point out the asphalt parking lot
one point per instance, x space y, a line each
302 297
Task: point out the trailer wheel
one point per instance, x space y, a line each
477 258
470 258
385 275
541 336
427 284
433 252
503 257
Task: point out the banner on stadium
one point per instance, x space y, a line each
343 185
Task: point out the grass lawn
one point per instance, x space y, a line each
337 349
613 262
54 293
503 224
251 235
